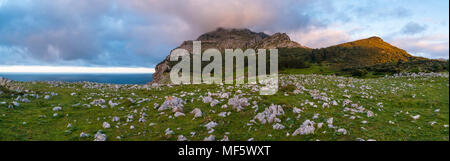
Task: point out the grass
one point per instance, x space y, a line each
401 98
313 69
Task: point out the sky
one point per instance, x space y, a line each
141 33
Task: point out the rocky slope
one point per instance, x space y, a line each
364 52
223 39
360 53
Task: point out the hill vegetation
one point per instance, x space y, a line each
371 56
359 58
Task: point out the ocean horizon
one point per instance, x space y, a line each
113 78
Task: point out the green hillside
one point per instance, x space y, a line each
371 56
363 52
357 58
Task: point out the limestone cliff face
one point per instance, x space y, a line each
277 40
223 39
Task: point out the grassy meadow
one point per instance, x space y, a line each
306 108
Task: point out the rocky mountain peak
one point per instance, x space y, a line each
278 40
230 38
283 36
233 38
375 38
224 33
224 38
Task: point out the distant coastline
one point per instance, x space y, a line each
113 78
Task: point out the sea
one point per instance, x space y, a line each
99 78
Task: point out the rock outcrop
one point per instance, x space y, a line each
351 55
222 39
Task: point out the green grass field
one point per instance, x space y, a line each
393 101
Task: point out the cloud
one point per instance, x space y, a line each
320 37
133 32
71 69
50 30
200 16
413 28
138 33
12 55
377 10
431 46
2 2
67 31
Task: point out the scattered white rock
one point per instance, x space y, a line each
57 108
98 102
224 114
16 104
106 125
99 136
197 112
278 126
316 116
142 119
269 115
115 119
330 122
319 125
210 138
370 114
306 128
83 135
169 132
342 131
225 138
178 114
181 138
207 99
211 125
174 103
432 123
296 110
238 103
112 104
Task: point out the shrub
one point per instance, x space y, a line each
359 72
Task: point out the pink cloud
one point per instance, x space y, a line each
199 16
432 46
320 37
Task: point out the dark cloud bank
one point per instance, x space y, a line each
136 32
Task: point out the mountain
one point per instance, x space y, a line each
277 40
363 52
222 39
342 57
